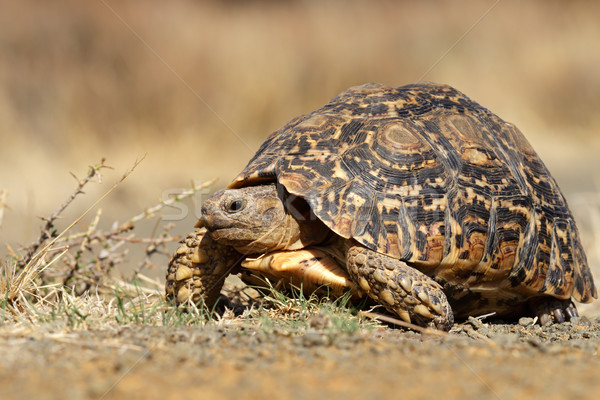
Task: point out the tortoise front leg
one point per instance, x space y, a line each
198 269
401 289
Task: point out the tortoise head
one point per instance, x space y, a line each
260 219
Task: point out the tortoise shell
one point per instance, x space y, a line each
426 175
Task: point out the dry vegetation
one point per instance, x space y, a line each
65 275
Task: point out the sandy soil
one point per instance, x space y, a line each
476 360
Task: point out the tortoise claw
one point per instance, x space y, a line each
558 315
572 311
551 310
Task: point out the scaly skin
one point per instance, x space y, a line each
401 289
198 269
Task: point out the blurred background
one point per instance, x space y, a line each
198 85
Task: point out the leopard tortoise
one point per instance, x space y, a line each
416 196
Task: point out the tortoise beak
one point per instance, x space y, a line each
212 215
199 224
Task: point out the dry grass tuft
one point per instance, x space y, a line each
72 271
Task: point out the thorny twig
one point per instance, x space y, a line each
95 252
149 212
83 260
48 230
40 254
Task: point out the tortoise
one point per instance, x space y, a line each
416 196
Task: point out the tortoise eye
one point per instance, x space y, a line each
236 205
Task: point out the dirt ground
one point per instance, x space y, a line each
475 360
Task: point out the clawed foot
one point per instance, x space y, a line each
400 288
553 310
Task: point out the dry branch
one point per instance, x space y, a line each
82 261
48 231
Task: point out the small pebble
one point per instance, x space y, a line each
526 321
314 339
476 323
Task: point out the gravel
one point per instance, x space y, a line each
475 360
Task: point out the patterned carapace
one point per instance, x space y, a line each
423 174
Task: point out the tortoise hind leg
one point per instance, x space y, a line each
401 289
550 309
